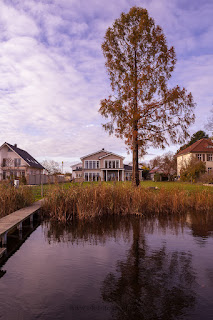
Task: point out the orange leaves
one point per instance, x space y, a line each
140 63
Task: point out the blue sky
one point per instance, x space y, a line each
52 72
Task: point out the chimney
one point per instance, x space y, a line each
15 145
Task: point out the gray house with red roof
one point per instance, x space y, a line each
17 163
201 150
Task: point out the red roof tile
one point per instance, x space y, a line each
202 145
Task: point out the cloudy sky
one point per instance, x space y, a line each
52 72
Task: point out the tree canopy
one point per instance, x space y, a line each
143 109
51 166
195 137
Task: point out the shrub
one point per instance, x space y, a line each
193 170
206 177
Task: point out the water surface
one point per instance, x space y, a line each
114 268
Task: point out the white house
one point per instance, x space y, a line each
201 150
102 165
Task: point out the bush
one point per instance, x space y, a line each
206 177
193 170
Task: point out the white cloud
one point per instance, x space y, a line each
53 74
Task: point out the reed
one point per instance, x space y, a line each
12 199
121 199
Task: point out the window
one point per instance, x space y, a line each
91 176
199 155
209 170
203 157
17 162
4 163
92 164
111 164
209 156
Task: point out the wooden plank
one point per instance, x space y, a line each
12 220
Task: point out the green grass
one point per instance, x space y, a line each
176 185
146 184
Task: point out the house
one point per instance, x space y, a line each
77 171
201 150
17 163
155 171
102 165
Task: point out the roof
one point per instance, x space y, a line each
107 153
79 164
127 167
32 162
156 170
91 154
202 145
111 153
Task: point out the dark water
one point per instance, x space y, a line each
117 268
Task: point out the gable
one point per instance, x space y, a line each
32 162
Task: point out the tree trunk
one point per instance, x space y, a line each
135 172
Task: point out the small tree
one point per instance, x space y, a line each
192 170
167 163
51 166
143 109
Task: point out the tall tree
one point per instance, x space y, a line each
195 137
143 109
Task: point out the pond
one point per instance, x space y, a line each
112 268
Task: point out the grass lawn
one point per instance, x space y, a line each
177 185
166 185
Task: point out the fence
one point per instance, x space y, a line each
44 179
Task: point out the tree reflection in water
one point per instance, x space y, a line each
150 285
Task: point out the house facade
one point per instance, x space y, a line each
17 163
77 171
102 165
201 150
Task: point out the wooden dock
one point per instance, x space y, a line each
14 221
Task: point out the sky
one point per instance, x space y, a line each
53 75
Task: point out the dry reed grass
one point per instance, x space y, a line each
121 199
12 199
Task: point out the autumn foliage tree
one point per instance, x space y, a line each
143 109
